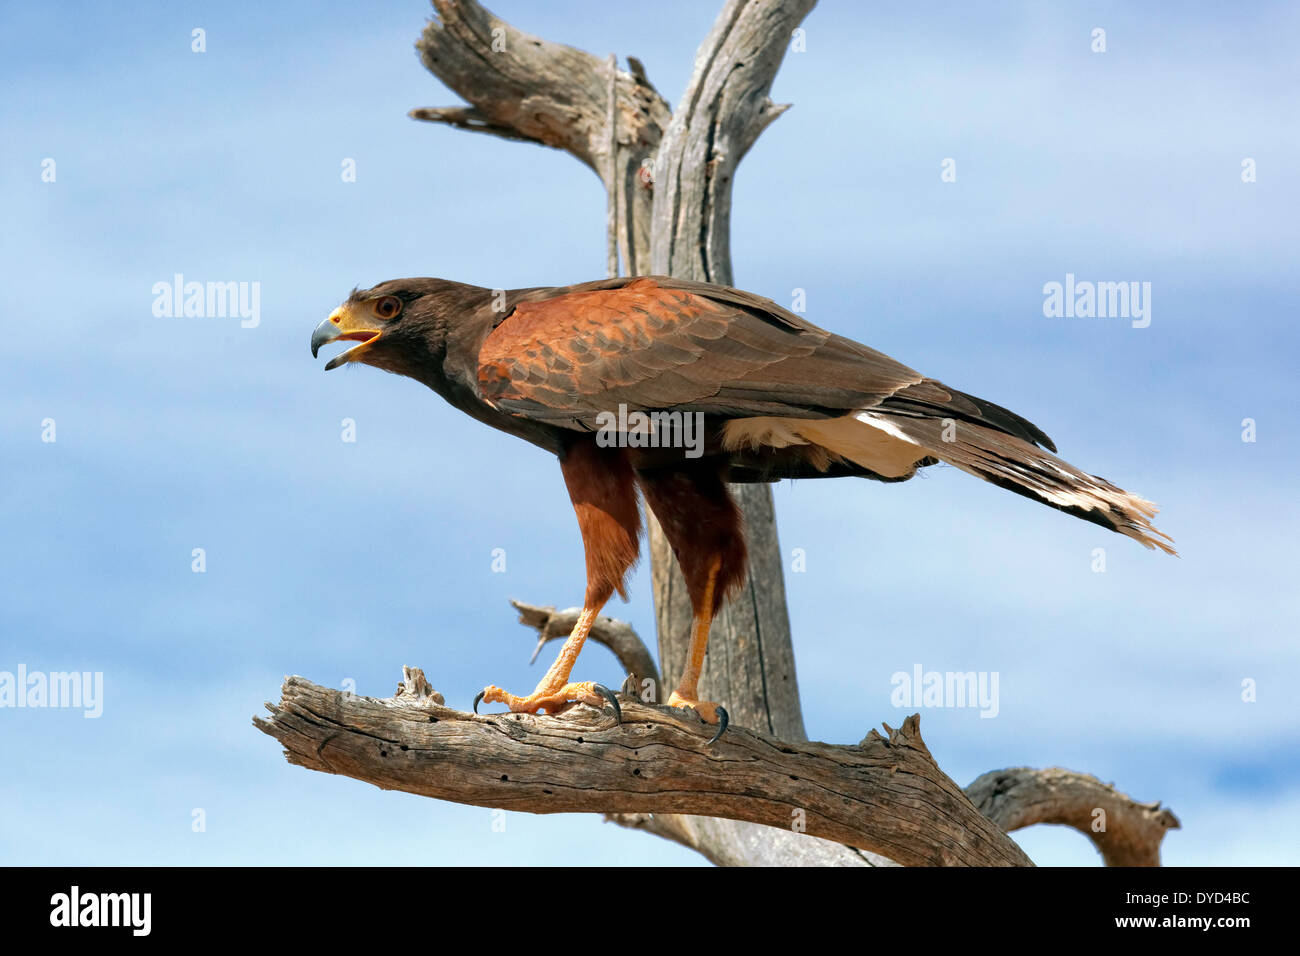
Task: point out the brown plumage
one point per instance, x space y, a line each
678 387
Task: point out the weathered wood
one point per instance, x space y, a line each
1124 831
721 114
522 87
737 843
885 795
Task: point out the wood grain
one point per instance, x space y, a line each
885 795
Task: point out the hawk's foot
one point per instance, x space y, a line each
709 712
553 700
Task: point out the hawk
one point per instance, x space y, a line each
747 391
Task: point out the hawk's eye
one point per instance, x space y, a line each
388 307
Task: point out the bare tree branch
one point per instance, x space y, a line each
721 114
737 843
611 171
471 120
884 795
1125 832
525 88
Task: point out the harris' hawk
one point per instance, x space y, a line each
580 370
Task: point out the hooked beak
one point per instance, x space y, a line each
343 325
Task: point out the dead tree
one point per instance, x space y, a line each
764 794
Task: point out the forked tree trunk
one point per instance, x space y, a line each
668 180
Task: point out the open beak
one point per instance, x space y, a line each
344 326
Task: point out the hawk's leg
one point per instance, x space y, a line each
703 525
687 693
603 490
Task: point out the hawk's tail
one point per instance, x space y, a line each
1016 465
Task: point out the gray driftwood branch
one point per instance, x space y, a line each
522 87
884 799
1124 831
884 795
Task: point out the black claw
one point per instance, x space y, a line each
609 696
723 720
477 698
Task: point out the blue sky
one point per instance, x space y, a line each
343 561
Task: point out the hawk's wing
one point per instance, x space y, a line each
654 344
662 343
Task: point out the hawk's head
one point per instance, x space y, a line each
400 326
